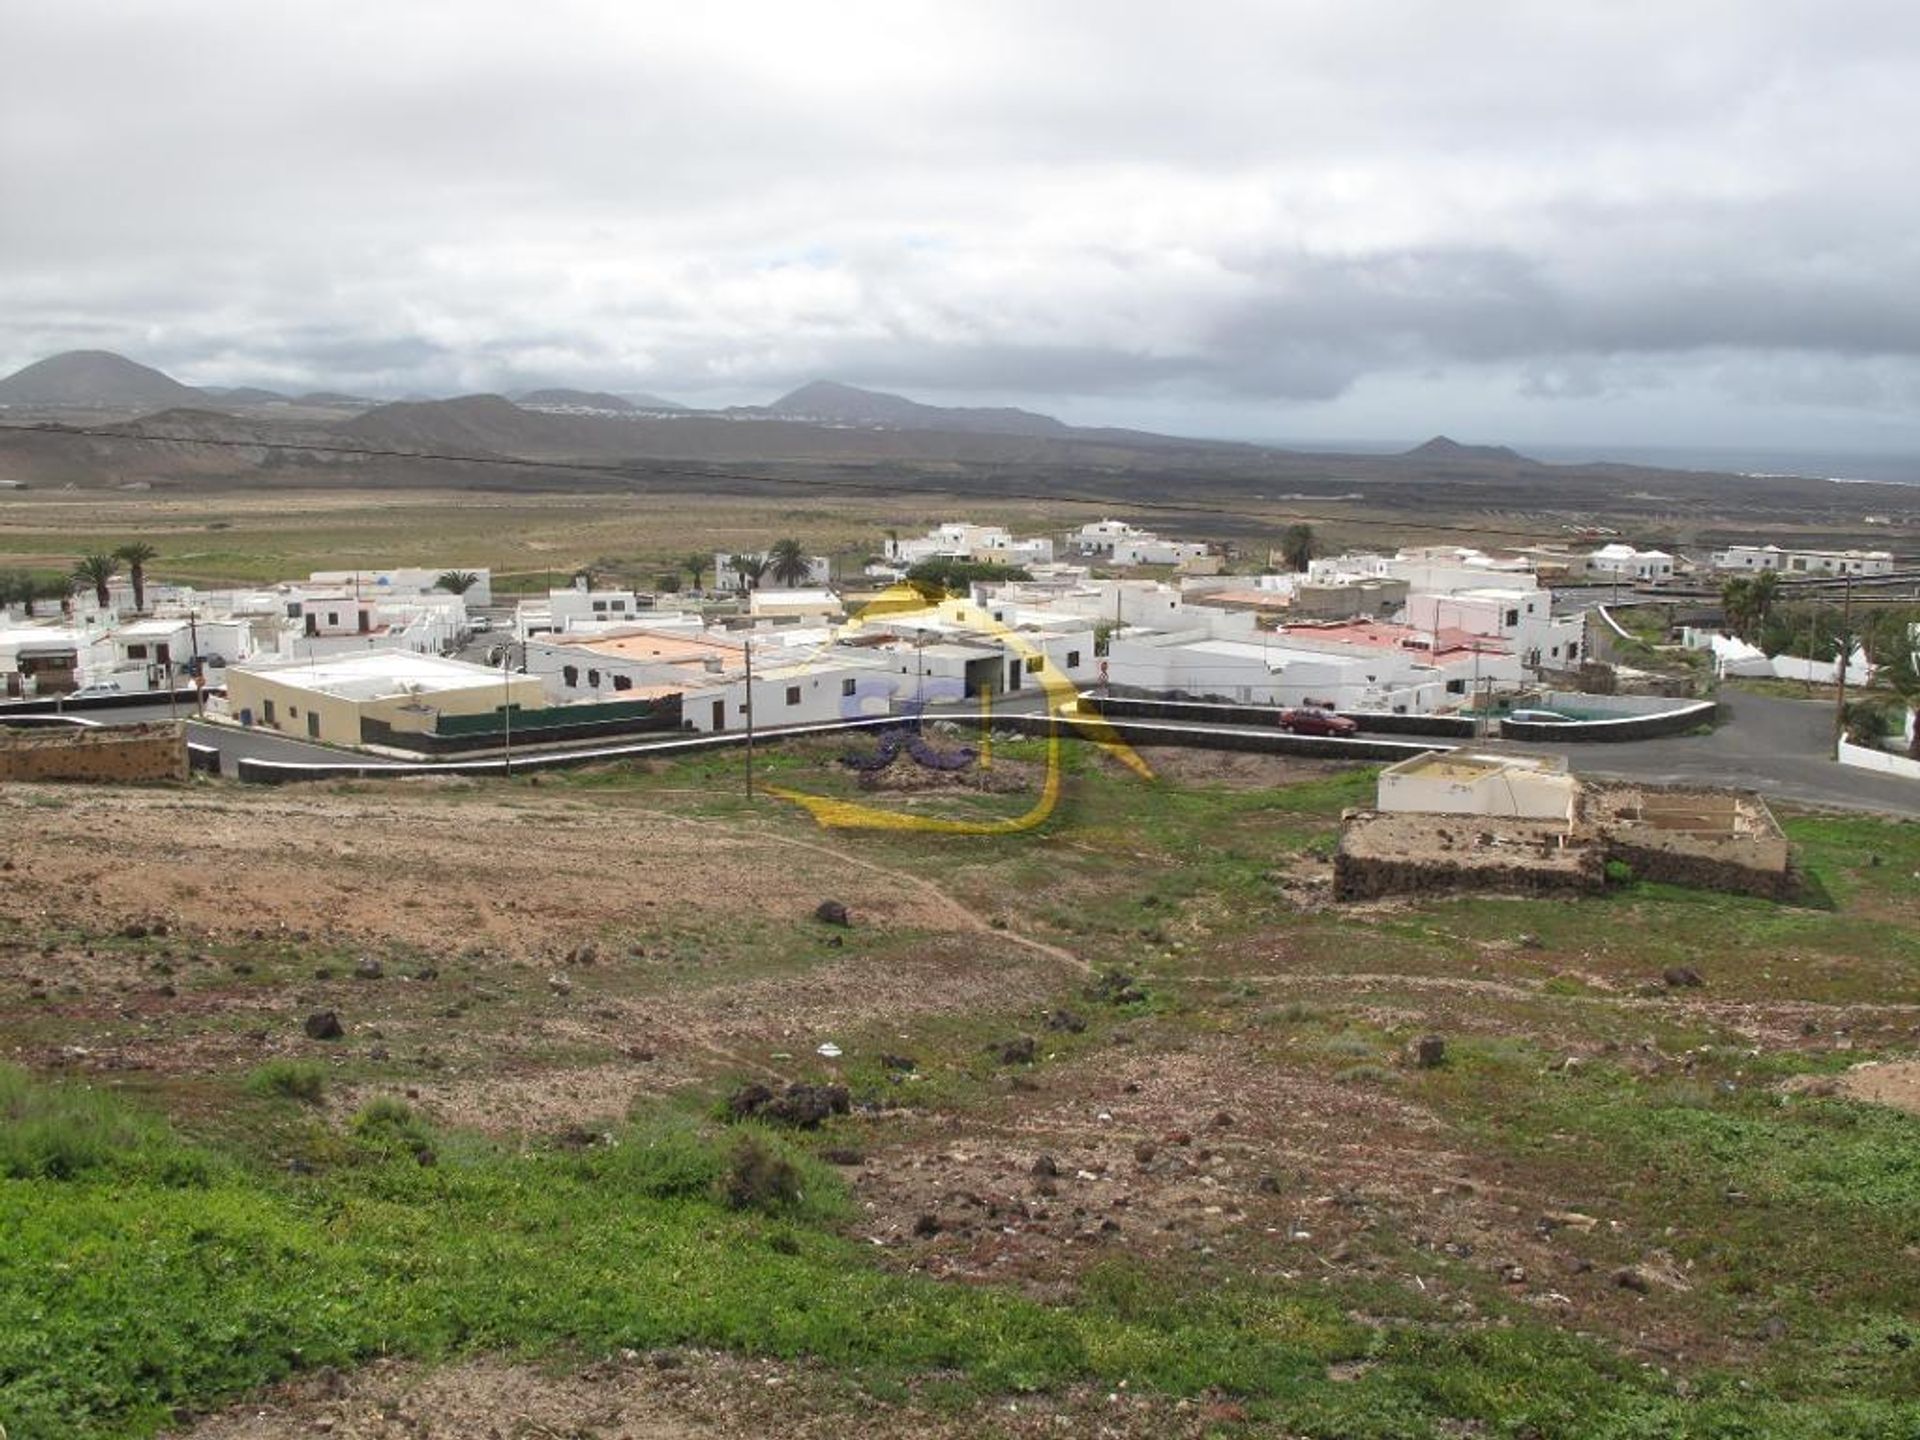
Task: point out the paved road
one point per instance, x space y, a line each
1782 748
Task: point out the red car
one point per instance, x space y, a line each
1317 722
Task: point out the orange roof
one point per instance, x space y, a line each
1379 635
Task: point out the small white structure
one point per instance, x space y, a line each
1461 782
1623 562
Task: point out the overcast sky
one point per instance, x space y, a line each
1663 222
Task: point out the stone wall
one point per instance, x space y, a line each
1389 853
122 754
1706 839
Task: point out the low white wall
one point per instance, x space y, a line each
1861 758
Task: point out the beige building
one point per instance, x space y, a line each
327 699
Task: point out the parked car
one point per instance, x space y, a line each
95 689
1540 717
480 624
1317 722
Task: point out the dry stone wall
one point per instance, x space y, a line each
126 754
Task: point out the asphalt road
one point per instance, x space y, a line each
1781 748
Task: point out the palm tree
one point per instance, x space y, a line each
1736 604
1297 546
456 582
137 553
97 571
1900 671
1764 592
788 562
750 568
695 565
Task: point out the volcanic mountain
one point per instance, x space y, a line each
94 380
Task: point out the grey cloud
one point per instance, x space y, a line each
1239 204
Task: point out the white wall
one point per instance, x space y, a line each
1861 758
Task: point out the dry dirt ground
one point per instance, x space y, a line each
548 957
670 1395
543 960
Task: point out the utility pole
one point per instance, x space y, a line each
746 646
1846 656
506 703
199 675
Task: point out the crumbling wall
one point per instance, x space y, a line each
1707 839
124 754
1732 876
1358 877
1391 853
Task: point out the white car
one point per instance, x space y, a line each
95 689
1541 717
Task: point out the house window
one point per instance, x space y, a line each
136 652
1035 664
593 679
1073 659
599 607
333 617
1456 687
570 675
1513 617
793 694
846 687
619 605
623 682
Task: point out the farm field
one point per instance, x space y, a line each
1134 1138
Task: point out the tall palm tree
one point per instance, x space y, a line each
788 563
750 568
695 565
136 553
456 582
97 571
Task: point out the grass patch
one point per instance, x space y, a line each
301 1080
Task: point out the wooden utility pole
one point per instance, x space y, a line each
747 648
1846 656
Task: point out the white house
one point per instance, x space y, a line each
1522 619
959 540
1623 562
726 578
402 580
38 659
1749 559
1098 537
1153 550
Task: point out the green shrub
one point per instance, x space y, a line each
1619 873
387 1124
71 1132
290 1080
759 1177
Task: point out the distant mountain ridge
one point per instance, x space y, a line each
832 403
94 379
1442 447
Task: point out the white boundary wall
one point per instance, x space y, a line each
1861 758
